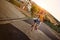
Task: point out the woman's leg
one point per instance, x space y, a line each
33 26
36 27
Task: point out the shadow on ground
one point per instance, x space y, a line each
9 32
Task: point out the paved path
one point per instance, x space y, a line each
46 29
19 30
26 28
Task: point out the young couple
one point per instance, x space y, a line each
38 19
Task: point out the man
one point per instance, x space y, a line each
28 4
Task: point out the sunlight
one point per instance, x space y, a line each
52 6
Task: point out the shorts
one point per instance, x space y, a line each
37 21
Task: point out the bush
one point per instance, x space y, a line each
54 27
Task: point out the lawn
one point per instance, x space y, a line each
54 27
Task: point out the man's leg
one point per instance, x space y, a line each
39 24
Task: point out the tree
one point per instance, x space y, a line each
34 9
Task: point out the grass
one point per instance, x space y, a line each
54 27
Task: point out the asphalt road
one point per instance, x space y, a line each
9 32
44 28
20 30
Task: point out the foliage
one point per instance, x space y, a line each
54 27
34 9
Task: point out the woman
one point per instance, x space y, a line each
36 22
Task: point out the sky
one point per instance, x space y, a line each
52 6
